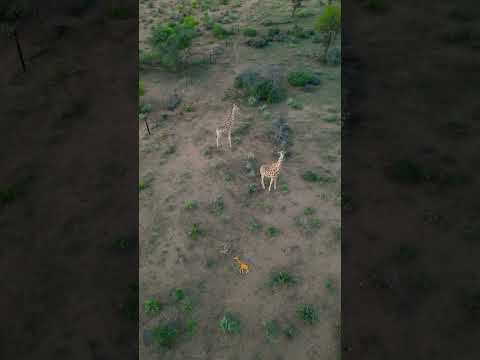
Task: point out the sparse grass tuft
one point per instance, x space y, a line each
178 294
308 313
281 279
273 231
272 330
191 205
290 331
230 324
254 225
294 104
308 211
312 176
307 224
218 206
301 78
220 32
152 307
167 335
196 232
249 32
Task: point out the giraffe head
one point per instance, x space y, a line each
282 155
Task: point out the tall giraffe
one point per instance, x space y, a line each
272 171
226 128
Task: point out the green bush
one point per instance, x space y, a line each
259 87
281 279
302 78
208 21
250 32
220 32
152 306
166 335
308 313
169 42
230 324
330 20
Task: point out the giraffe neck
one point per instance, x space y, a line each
278 165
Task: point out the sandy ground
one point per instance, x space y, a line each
179 163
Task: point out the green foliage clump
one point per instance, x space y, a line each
152 307
330 20
220 32
272 330
302 77
273 231
170 42
191 205
294 104
196 232
308 313
282 278
259 87
166 335
230 324
250 32
208 21
312 176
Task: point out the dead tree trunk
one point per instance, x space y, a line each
19 50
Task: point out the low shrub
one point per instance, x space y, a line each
261 88
250 32
220 32
230 324
301 78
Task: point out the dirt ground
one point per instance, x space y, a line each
180 165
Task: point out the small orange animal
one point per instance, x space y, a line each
243 267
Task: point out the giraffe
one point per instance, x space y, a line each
226 128
272 172
243 267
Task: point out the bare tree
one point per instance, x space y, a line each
10 17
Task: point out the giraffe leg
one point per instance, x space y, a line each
262 175
275 184
217 139
230 139
270 186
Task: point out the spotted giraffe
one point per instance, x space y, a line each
272 171
226 128
242 266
